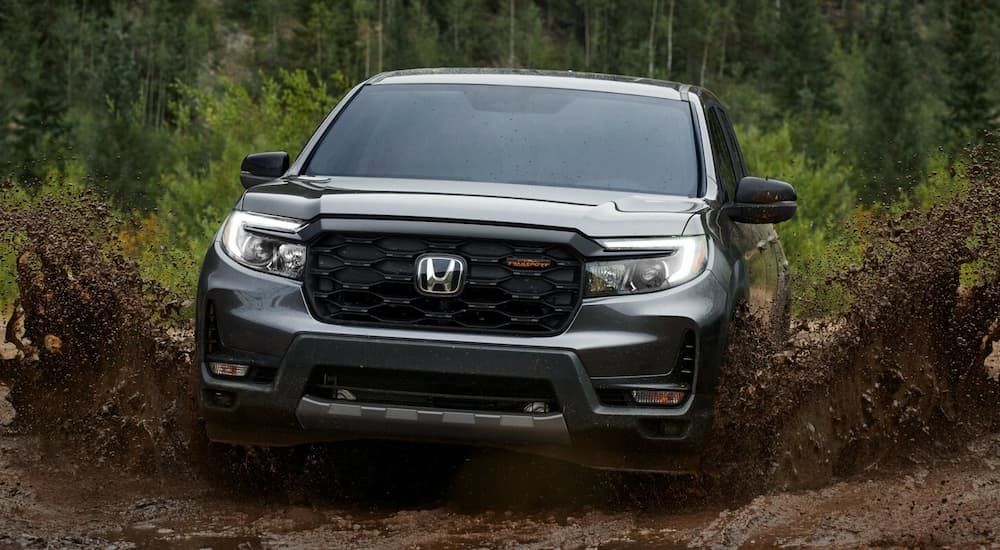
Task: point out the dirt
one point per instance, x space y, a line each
874 426
48 499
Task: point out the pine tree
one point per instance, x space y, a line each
799 73
886 119
970 72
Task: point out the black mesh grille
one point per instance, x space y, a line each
369 279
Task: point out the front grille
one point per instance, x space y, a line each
369 279
435 390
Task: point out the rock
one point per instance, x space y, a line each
993 364
7 412
8 351
53 344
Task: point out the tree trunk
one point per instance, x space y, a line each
586 33
607 40
713 22
704 64
722 56
366 29
511 37
670 39
381 3
161 103
652 38
456 17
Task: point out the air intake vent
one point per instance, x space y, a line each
614 397
431 389
212 342
263 375
679 383
688 357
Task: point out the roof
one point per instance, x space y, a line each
540 79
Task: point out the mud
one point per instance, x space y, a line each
901 371
872 427
50 500
101 366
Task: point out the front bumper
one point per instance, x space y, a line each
616 342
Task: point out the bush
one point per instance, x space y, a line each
215 129
818 240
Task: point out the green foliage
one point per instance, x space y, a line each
888 129
815 240
215 129
945 180
970 71
15 195
799 72
155 103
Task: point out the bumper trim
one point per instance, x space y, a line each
444 424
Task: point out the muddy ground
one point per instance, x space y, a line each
48 499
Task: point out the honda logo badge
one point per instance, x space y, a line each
440 275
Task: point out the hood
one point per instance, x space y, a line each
593 212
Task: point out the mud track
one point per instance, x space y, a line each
48 499
875 426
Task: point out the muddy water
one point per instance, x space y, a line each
892 402
48 499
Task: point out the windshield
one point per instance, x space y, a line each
513 134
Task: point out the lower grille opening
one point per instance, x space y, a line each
663 429
263 375
433 390
614 397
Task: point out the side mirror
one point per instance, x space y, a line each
760 200
260 168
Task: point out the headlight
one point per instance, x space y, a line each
264 252
685 259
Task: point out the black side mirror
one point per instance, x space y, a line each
260 168
760 200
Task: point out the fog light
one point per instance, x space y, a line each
346 395
536 407
228 369
658 397
222 399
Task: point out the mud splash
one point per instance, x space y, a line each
99 366
105 370
900 374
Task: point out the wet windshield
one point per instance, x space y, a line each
513 134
